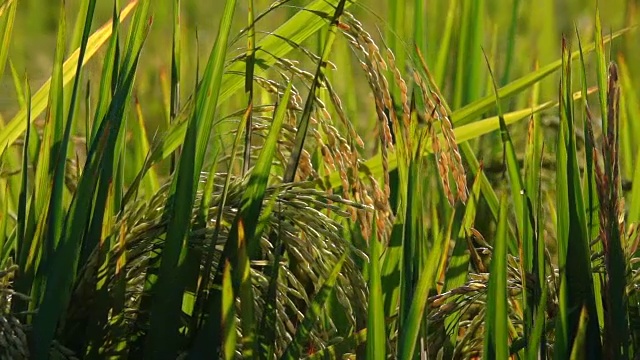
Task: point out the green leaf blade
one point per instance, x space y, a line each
496 339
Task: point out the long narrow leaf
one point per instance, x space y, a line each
319 77
171 281
496 336
228 314
426 280
376 339
39 101
6 28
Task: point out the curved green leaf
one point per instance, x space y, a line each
17 125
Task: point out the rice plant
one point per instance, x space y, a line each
319 179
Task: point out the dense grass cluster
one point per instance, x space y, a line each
315 186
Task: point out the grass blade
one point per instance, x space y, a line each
17 125
469 55
496 338
445 45
612 232
376 338
252 203
408 335
250 207
48 204
63 270
6 29
458 266
576 287
228 314
248 86
303 124
242 282
4 221
578 348
509 154
511 40
171 282
22 203
175 74
518 196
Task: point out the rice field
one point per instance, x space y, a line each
319 179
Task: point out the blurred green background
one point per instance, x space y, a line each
537 30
